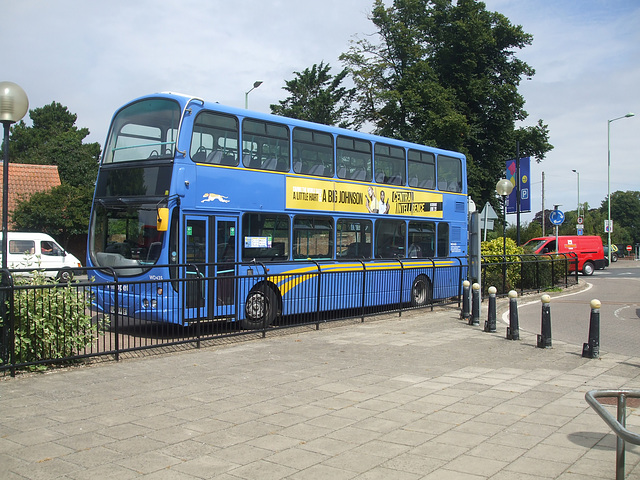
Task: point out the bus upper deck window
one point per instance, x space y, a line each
215 139
449 174
390 164
143 130
422 169
354 159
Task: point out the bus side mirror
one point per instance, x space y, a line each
162 218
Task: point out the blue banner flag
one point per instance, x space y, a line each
523 189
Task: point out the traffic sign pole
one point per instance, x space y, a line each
556 217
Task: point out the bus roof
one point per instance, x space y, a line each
185 99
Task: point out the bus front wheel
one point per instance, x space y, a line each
260 308
421 291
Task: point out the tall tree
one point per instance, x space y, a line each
61 212
444 73
317 96
54 139
625 213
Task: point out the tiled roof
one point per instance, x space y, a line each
25 180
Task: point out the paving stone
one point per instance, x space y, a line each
421 396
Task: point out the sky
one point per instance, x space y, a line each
93 57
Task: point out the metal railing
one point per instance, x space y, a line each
50 322
618 424
528 273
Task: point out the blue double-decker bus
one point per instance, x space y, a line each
197 196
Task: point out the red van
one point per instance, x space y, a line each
588 248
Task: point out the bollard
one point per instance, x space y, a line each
475 305
544 339
592 349
466 300
490 324
513 330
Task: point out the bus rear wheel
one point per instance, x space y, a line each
421 293
260 308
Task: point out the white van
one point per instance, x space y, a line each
39 250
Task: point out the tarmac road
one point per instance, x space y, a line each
617 288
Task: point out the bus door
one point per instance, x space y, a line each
225 266
195 255
210 255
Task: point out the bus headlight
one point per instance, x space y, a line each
146 303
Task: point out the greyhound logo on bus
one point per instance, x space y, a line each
210 197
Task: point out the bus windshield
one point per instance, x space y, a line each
125 236
143 130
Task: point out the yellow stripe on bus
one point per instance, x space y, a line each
290 279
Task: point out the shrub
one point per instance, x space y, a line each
493 253
50 320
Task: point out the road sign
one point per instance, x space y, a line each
556 217
488 212
628 248
608 226
580 220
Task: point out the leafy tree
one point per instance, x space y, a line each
445 74
61 212
528 230
316 96
55 140
625 213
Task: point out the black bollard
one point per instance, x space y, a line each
475 305
592 349
513 330
544 339
466 300
490 324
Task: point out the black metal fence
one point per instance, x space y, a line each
43 321
529 273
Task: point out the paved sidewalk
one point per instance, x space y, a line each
422 396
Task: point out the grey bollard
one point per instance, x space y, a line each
466 300
513 330
592 348
475 305
544 339
490 324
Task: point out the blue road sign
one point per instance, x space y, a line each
556 217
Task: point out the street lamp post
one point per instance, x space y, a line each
13 106
256 84
503 188
578 173
609 182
